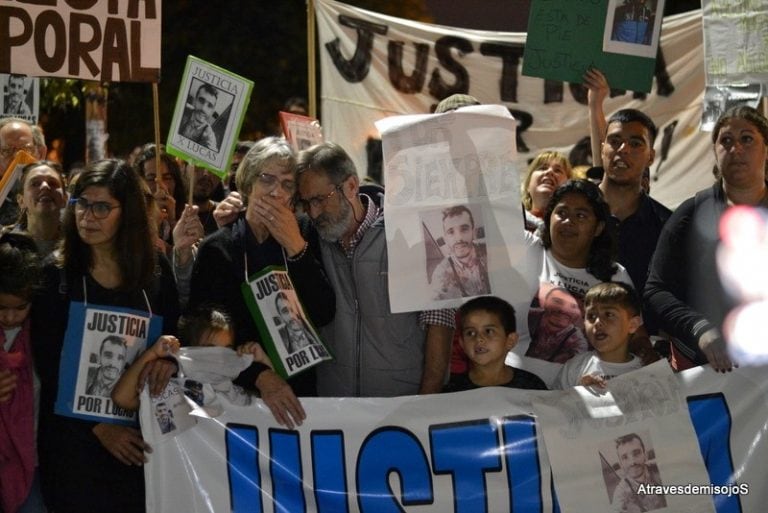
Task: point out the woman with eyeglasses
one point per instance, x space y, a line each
265 233
40 202
683 287
108 295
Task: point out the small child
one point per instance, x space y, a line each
488 333
611 317
20 277
206 326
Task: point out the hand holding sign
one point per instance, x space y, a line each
227 210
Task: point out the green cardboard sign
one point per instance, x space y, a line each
567 37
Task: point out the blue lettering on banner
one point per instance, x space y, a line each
711 420
523 469
242 443
286 472
466 451
386 450
328 457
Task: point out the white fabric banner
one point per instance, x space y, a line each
469 452
374 66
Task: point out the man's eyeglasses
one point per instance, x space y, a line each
10 151
317 201
99 209
270 181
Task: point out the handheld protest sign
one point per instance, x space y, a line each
566 38
99 344
208 116
301 131
20 98
287 335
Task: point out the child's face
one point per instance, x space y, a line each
609 328
13 310
217 338
483 338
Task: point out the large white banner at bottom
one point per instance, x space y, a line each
480 451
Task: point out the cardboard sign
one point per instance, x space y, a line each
20 97
301 131
289 338
99 40
566 38
208 116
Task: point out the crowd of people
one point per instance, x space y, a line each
118 249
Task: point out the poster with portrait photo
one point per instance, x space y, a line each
602 443
720 98
288 336
168 414
464 159
100 343
301 131
20 98
209 112
632 27
456 257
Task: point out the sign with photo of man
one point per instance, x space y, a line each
287 335
451 207
209 113
99 345
20 98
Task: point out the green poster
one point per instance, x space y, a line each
619 37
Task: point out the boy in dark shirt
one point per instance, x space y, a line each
488 333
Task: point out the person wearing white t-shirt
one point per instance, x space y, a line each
611 317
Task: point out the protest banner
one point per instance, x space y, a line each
375 66
735 42
467 452
209 113
287 335
566 38
451 187
99 40
20 98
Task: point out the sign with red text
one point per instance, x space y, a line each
102 40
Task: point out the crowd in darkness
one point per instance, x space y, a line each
120 235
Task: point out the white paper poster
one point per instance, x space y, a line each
452 185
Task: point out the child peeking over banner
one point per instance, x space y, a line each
488 332
206 326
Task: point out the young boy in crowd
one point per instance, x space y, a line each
20 277
206 326
488 333
611 317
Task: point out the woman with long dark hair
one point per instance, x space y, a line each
107 296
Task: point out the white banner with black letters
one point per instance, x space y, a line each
374 66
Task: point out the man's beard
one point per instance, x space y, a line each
333 228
